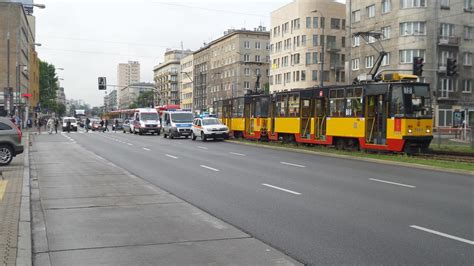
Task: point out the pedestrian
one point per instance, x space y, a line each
106 124
116 125
88 121
68 126
45 122
56 124
102 125
39 124
28 123
50 125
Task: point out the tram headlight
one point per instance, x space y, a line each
428 130
410 130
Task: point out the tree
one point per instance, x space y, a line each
145 99
48 85
95 111
60 109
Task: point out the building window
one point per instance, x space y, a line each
355 64
315 22
303 75
356 41
323 20
468 33
386 6
314 75
445 118
447 86
335 23
326 76
246 57
444 57
412 28
315 57
343 42
247 71
446 30
303 40
369 61
308 59
285 61
308 22
356 16
386 60
467 59
315 40
371 11
257 45
385 32
444 4
257 58
468 6
412 3
246 85
467 88
246 44
406 56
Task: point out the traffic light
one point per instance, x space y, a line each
418 65
102 83
451 68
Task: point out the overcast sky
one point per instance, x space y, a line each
88 38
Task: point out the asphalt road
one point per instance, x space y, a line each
317 209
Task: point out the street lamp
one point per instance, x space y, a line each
323 25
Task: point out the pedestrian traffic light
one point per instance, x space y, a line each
102 83
451 68
418 65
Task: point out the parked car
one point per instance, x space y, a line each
10 141
209 127
73 122
177 124
146 120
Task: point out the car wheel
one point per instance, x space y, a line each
164 134
193 137
6 155
158 133
203 136
186 137
171 135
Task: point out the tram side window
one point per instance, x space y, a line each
336 102
397 107
238 108
353 102
264 107
294 105
258 110
281 105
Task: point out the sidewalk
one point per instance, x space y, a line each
88 211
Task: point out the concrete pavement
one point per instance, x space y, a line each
317 209
87 210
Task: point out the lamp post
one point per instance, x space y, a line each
323 25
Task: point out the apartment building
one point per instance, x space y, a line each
186 84
434 30
231 66
167 77
127 73
130 93
308 40
110 101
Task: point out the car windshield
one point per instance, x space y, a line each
210 121
149 116
182 117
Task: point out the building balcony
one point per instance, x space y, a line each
336 66
449 41
333 48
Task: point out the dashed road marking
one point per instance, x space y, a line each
238 154
292 164
442 234
146 149
171 156
282 189
210 168
392 183
201 147
129 144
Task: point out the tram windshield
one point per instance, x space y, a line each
410 100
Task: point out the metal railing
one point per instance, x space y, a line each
463 135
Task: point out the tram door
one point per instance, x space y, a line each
307 112
376 117
320 118
272 113
249 111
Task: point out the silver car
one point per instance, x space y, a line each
10 141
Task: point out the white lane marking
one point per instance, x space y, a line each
146 149
442 234
393 183
129 144
282 189
210 168
171 156
238 154
292 164
201 147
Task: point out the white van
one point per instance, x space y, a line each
73 122
146 120
177 124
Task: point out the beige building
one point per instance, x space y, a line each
167 77
130 93
127 73
434 30
308 41
230 66
19 68
186 83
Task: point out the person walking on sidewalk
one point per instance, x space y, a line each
116 125
88 121
68 126
102 125
56 124
39 123
106 124
50 125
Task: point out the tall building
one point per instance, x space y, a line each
110 101
19 68
60 95
231 66
308 40
167 77
127 73
186 83
434 30
130 93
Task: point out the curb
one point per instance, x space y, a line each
24 256
412 165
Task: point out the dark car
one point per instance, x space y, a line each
10 141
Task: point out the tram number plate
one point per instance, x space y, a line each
408 90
